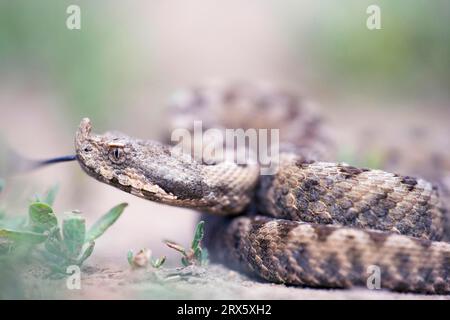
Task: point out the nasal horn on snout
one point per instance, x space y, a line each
83 132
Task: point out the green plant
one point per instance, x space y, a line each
55 245
73 244
195 255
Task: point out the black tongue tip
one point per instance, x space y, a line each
56 160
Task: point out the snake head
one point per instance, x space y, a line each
101 155
156 172
146 169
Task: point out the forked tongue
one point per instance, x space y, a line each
12 163
16 163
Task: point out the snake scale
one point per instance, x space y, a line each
312 223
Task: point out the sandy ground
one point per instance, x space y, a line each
201 283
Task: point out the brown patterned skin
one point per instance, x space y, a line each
336 193
330 256
312 223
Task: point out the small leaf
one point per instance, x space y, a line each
42 217
23 236
204 258
175 246
87 252
130 257
198 254
105 222
198 236
50 195
159 262
185 262
74 232
54 244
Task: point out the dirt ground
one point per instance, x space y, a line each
202 283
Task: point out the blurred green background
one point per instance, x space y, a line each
327 41
85 67
409 56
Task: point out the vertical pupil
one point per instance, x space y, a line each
116 153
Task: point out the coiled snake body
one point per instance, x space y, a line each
313 223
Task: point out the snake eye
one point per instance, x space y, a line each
117 155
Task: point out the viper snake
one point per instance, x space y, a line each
312 223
